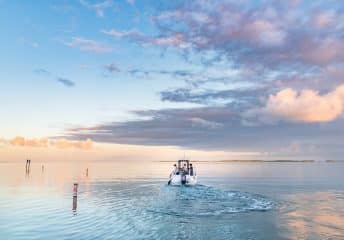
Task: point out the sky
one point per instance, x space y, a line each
120 80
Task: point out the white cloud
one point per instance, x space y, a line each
99 8
304 106
89 45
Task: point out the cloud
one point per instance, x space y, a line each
322 51
166 127
175 40
44 142
131 34
66 82
89 45
199 122
248 95
270 33
304 106
263 32
42 71
271 44
21 141
65 144
323 19
250 68
99 8
218 128
112 68
182 74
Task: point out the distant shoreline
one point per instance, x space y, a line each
334 161
198 161
250 161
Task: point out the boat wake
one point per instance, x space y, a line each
203 200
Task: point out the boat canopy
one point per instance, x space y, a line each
182 162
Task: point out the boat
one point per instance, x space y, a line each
182 177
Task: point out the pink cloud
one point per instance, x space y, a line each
64 143
44 142
306 105
21 141
264 32
322 51
176 39
323 19
89 45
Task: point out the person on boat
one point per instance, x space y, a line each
184 173
175 169
191 172
185 169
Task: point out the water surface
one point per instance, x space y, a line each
133 201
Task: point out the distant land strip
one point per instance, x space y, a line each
249 161
334 161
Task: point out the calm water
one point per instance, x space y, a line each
132 201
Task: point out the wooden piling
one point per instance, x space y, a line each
75 189
75 197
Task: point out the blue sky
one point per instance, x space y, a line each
252 76
35 53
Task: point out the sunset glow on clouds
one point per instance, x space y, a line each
44 142
205 76
307 105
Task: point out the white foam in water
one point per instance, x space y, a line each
203 200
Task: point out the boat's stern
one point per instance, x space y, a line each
183 180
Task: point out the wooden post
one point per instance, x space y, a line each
75 189
75 197
27 167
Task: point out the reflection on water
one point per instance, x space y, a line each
75 203
133 201
318 215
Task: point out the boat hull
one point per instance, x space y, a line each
183 180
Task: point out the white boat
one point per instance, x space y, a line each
183 177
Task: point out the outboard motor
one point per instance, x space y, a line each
183 179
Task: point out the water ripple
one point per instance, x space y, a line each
206 201
126 210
